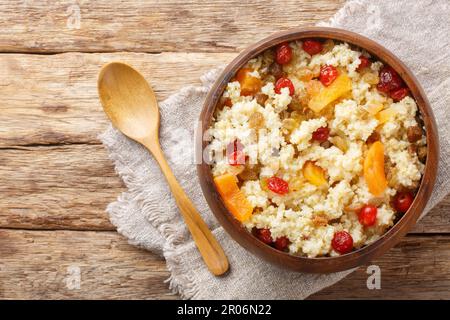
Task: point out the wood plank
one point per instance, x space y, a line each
64 187
419 268
51 99
151 26
69 187
43 265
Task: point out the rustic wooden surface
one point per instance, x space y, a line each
56 179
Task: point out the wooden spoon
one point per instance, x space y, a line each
131 105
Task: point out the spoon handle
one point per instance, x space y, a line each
209 248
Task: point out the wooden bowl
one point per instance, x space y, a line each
356 257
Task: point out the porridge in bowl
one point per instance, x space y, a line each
317 147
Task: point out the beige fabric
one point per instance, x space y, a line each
416 31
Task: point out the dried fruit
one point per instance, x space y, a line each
305 74
281 243
422 154
399 94
284 83
389 80
371 78
368 215
374 169
264 235
233 198
256 120
288 125
385 115
373 107
328 74
250 172
342 242
365 62
313 87
338 88
276 70
340 142
261 98
414 133
328 45
321 134
312 47
319 221
283 53
249 85
277 185
314 174
403 200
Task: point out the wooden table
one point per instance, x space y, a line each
55 176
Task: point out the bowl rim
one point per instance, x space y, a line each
318 264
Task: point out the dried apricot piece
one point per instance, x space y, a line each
339 87
233 197
385 115
374 169
249 85
314 174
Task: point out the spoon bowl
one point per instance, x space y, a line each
131 105
128 100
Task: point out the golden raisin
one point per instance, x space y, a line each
250 172
414 133
289 125
256 120
305 74
422 154
276 70
327 46
297 116
371 78
340 143
319 221
261 98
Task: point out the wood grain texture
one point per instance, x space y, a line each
69 187
52 99
40 265
112 269
60 187
150 26
417 268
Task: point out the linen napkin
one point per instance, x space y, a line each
416 31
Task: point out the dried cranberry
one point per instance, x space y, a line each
264 235
389 80
281 243
321 134
277 185
342 242
283 53
368 215
312 47
236 158
328 74
399 94
365 62
403 201
284 83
